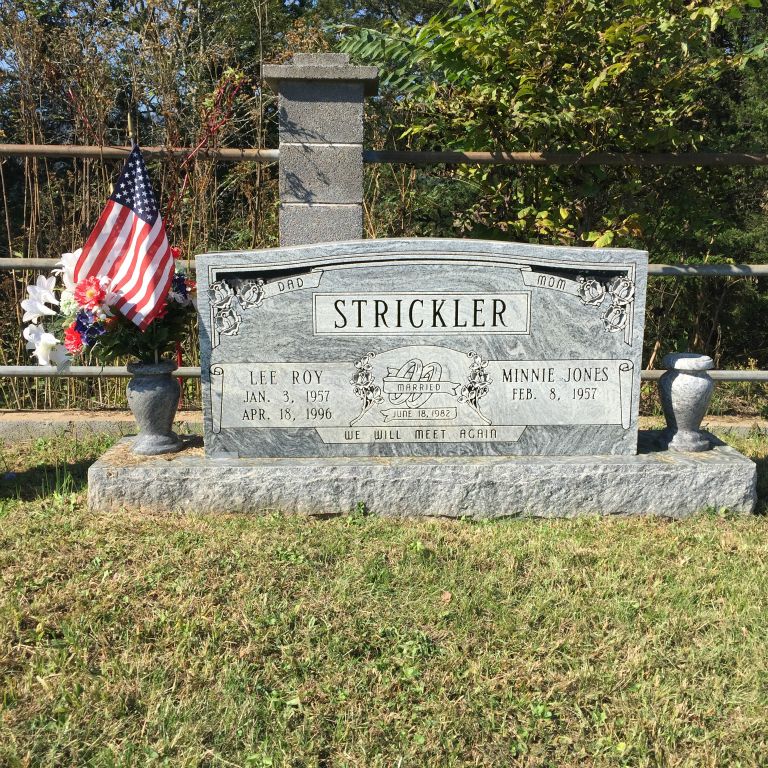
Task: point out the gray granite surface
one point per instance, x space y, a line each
421 347
653 482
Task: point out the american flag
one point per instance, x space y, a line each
129 245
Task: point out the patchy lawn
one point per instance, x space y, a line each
358 641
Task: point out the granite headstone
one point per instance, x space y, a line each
421 347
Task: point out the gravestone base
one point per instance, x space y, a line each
656 482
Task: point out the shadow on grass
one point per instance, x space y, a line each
48 466
42 480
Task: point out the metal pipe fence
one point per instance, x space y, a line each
84 371
655 270
226 154
634 159
411 157
193 372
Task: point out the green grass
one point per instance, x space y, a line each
358 641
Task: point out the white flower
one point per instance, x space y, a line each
102 312
42 291
47 348
67 271
68 304
34 310
110 298
59 356
40 295
32 334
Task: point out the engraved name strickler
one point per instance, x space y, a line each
421 313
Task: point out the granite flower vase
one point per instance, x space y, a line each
686 389
153 397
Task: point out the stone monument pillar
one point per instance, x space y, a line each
321 146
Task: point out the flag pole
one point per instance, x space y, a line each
131 128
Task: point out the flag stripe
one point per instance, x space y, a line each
146 302
154 262
143 261
145 320
99 234
137 226
114 243
144 236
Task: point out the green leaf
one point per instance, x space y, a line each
604 239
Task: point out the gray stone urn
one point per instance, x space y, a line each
686 389
153 397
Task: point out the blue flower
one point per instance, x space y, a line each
88 327
179 291
179 284
83 321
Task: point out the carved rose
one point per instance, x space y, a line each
590 291
615 317
622 289
478 381
363 386
252 294
227 321
362 379
221 294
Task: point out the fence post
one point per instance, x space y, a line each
321 146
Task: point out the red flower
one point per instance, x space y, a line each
72 339
175 252
162 312
89 293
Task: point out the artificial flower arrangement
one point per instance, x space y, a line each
82 318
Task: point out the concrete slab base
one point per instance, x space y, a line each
653 482
23 426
